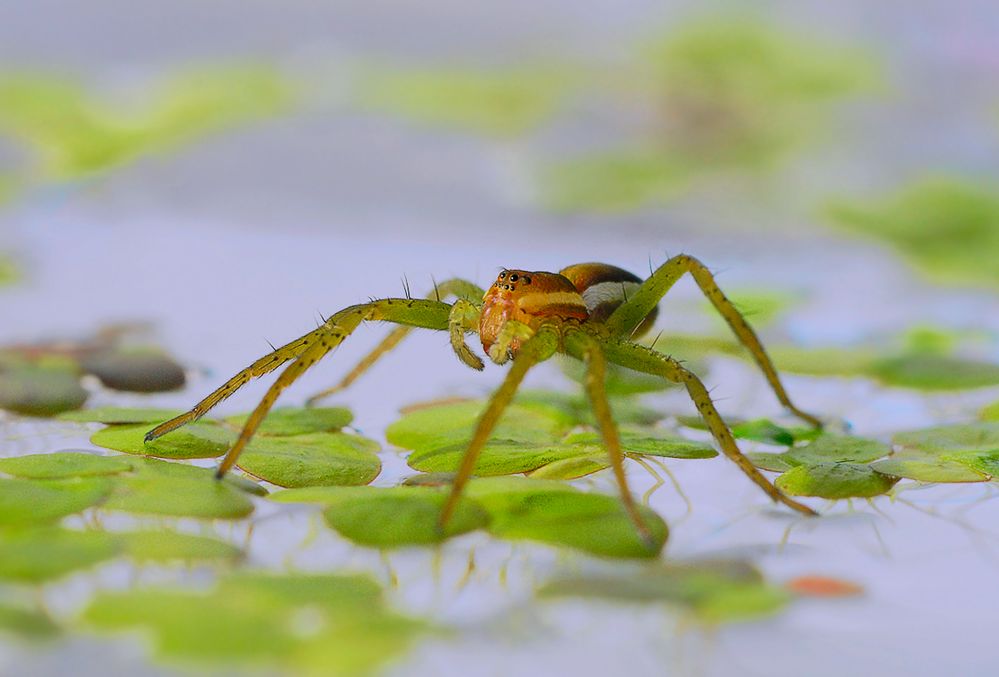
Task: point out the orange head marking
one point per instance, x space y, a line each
527 297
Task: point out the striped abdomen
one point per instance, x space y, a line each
605 287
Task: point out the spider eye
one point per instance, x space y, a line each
503 275
514 277
527 280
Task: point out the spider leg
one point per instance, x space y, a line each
629 315
307 350
579 342
466 292
640 358
539 348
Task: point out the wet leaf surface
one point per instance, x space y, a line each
311 460
834 481
63 464
196 440
28 502
298 421
39 555
713 591
498 457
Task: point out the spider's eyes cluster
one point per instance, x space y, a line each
513 278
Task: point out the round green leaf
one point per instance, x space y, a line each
498 457
927 371
649 442
169 546
298 421
968 437
765 460
315 459
26 502
572 468
196 440
182 491
63 464
835 448
927 467
38 555
834 480
27 624
120 415
399 516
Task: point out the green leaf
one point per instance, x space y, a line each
40 391
27 624
927 467
399 516
769 461
763 430
619 381
627 410
314 459
498 457
593 523
935 372
572 468
120 415
829 448
649 442
170 546
716 591
441 425
964 437
195 440
27 502
161 488
40 555
834 481
63 464
298 421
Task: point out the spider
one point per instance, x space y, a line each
590 311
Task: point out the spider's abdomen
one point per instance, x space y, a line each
603 288
527 297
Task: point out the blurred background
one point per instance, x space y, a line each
225 173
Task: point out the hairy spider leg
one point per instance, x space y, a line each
463 290
632 312
537 349
579 343
643 359
307 351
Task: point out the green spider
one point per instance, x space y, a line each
591 311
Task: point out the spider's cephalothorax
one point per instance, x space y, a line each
590 311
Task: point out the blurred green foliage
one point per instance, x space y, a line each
73 131
947 227
718 95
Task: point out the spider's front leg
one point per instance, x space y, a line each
630 314
306 351
464 318
646 360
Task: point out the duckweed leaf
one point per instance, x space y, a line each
498 457
966 437
935 372
926 467
262 621
769 461
763 430
120 415
298 421
627 410
649 442
63 464
399 516
823 361
181 491
196 440
835 449
593 523
990 412
39 555
448 424
315 459
572 468
619 381
834 481
169 546
28 502
27 624
135 371
40 391
714 591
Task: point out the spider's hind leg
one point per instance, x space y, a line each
630 314
464 318
640 358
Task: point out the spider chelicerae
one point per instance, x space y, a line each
590 311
